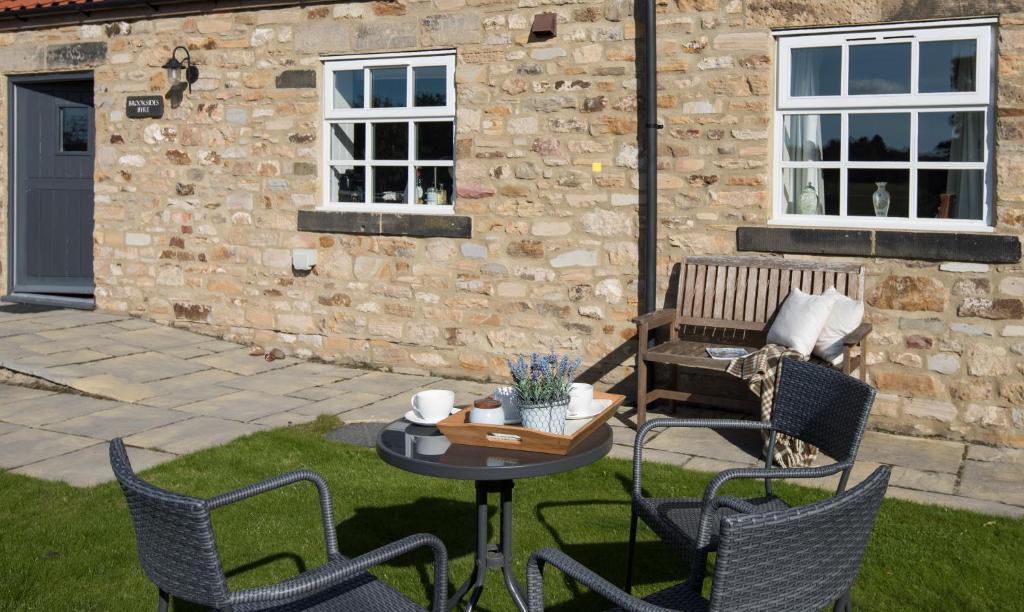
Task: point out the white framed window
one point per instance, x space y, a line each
389 132
885 127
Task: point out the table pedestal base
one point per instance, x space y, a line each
491 556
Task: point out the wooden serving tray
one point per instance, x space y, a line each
459 430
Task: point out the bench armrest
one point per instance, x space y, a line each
857 336
656 318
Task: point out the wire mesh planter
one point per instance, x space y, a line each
545 416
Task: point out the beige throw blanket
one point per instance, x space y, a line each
761 371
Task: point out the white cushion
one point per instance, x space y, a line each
800 320
846 315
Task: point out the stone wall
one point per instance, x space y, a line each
196 213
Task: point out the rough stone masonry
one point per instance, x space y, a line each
196 212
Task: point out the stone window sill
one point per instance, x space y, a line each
932 246
385 224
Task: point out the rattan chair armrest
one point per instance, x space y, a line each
711 499
857 335
736 504
582 574
326 506
656 319
773 473
641 435
337 571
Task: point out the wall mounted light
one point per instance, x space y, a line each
174 68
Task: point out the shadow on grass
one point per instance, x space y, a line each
452 521
655 563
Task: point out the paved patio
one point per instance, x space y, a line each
170 392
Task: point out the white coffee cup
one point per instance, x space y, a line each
509 403
433 405
581 395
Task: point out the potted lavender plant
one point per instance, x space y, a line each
542 388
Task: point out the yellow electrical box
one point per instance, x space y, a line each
595 167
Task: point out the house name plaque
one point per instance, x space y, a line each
144 107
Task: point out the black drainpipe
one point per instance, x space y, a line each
649 271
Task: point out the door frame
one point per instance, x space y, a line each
13 82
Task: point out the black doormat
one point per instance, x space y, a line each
26 308
359 434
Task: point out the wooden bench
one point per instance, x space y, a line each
731 301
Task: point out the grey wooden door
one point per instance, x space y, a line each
53 148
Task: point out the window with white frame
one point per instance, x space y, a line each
885 127
389 132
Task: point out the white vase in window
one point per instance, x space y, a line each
880 200
808 204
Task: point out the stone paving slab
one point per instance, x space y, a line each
386 383
123 420
158 337
65 358
192 435
188 395
10 393
106 385
1000 482
241 362
90 466
26 446
285 419
289 379
346 402
1013 456
51 408
244 406
7 428
916 453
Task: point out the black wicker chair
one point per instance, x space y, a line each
176 546
819 405
793 560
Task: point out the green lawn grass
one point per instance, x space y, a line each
63 548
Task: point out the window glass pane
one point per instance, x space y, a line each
430 85
74 129
879 69
389 184
435 140
434 185
947 65
880 136
951 136
348 184
391 141
815 71
388 87
811 191
348 89
864 184
348 141
812 137
950 194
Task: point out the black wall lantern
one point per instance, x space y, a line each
174 68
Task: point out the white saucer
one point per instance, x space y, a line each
596 407
412 418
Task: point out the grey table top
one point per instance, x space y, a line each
425 450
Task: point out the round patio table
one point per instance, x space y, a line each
425 450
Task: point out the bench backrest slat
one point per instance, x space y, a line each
745 292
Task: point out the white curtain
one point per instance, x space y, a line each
968 137
803 141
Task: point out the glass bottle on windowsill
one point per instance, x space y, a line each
419 188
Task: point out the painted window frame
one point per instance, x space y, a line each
369 116
914 103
